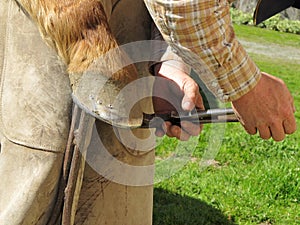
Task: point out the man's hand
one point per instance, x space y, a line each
268 108
177 87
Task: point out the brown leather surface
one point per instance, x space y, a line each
29 182
35 93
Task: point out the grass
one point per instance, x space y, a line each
260 35
250 181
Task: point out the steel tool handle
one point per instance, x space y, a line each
221 115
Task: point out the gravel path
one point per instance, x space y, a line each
273 50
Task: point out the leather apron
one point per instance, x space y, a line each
35 95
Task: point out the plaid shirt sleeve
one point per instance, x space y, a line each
162 53
201 33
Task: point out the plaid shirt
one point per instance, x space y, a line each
201 33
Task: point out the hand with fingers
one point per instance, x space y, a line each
267 109
174 90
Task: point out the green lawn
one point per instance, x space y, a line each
249 181
267 36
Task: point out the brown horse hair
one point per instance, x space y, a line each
77 29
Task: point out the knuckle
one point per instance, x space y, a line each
190 84
275 123
286 112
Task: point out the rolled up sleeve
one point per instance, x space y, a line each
162 53
201 33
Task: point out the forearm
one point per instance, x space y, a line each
202 34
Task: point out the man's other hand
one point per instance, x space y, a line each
268 108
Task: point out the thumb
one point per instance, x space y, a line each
191 97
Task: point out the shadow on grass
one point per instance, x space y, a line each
173 209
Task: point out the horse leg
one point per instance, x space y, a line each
105 198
